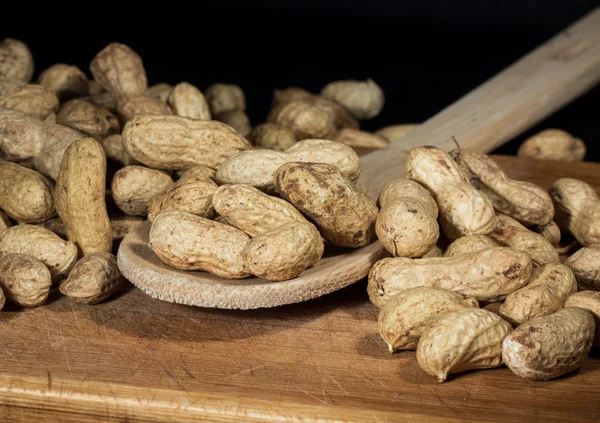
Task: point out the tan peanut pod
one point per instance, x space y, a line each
93 279
404 318
7 86
20 135
32 99
115 150
175 142
16 61
253 211
341 117
406 188
186 100
32 240
120 71
25 195
237 119
133 187
50 119
192 195
463 209
2 298
57 138
395 132
329 152
272 136
357 138
24 279
551 232
284 252
589 300
487 275
103 99
363 99
512 234
346 217
547 291
66 81
463 340
80 201
94 88
468 245
196 172
141 105
585 264
85 117
287 95
434 252
523 201
225 97
160 91
306 120
5 222
577 209
550 346
189 242
553 144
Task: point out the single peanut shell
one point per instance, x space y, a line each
65 81
402 187
121 225
103 99
175 142
160 91
394 132
120 71
80 200
357 138
8 86
115 150
20 135
32 99
363 99
551 232
585 265
186 100
404 318
237 119
199 171
225 97
550 346
93 279
468 245
287 95
322 151
589 300
487 275
434 252
133 187
86 118
5 222
306 120
190 194
141 105
189 242
16 61
346 217
463 340
24 279
272 137
553 144
57 138
284 252
341 117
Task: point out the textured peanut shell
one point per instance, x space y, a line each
468 245
85 117
577 209
24 279
57 138
5 222
175 142
284 252
341 117
394 132
553 144
141 105
589 300
94 88
287 95
237 119
190 194
80 200
115 150
330 152
133 187
404 318
406 188
272 136
487 275
363 99
32 99
434 252
25 195
121 225
57 254
160 91
463 209
550 346
119 70
189 242
103 99
253 211
93 279
65 81
197 172
463 340
186 100
549 287
225 97
346 217
551 232
585 265
20 135
7 86
523 201
406 228
306 120
16 61
357 138
512 234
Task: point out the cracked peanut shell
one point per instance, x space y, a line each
24 279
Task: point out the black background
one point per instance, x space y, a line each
424 54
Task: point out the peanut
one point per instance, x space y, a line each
196 172
272 136
65 81
463 340
134 186
406 188
16 61
404 318
86 118
551 232
553 144
120 71
5 222
7 86
115 150
589 300
341 118
237 119
120 225
32 99
287 95
20 135
25 280
305 120
468 244
585 264
363 99
394 132
142 105
550 346
186 100
191 194
2 298
189 242
357 138
57 138
160 91
225 97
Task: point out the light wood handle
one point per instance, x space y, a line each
514 100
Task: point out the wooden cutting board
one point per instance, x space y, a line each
143 360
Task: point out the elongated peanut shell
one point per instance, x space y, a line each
553 144
24 279
133 187
462 340
186 100
93 279
550 346
589 300
119 70
585 264
468 245
225 97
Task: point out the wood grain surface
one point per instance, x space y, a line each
135 358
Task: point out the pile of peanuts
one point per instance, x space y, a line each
239 201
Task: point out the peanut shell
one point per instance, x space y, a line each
86 118
589 300
120 71
20 135
141 105
363 99
551 232
65 81
272 136
93 279
225 97
406 188
585 265
24 279
237 119
160 91
186 100
16 61
133 187
190 194
468 244
57 138
306 120
115 150
32 99
553 144
5 222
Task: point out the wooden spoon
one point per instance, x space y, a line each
506 105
